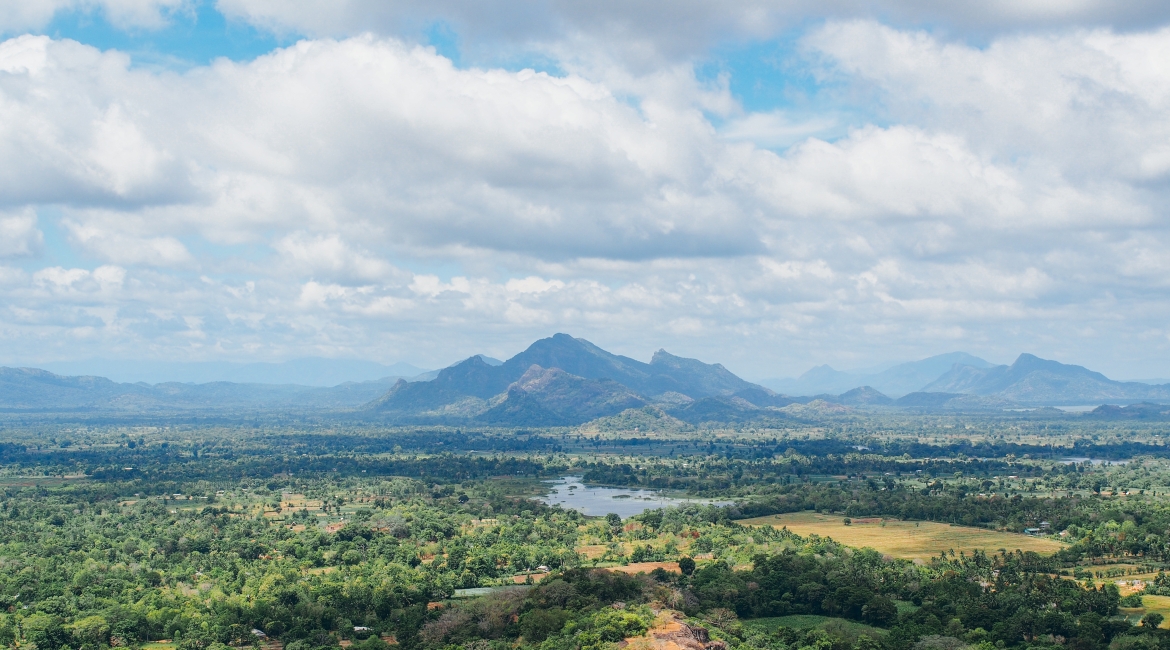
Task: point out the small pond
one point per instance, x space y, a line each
594 501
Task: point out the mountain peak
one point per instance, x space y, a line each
1028 363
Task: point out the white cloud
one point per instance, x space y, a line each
533 284
651 31
19 235
391 204
1086 105
329 256
125 14
776 129
107 241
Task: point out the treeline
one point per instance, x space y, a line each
708 476
131 451
443 468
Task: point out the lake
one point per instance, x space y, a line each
595 501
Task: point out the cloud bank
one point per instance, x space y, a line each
362 195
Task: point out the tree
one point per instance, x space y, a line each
1152 620
879 611
686 565
92 631
46 632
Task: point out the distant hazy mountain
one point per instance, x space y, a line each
864 396
1140 411
896 381
309 371
31 389
1032 380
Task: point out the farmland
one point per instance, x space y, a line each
909 540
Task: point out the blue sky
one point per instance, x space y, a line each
771 187
193 36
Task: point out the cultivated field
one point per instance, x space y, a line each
906 539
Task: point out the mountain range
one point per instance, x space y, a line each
32 389
562 380
1032 380
895 381
307 371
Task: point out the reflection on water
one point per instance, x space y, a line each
569 492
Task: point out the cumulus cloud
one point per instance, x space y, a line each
398 202
651 31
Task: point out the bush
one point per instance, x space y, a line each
1132 600
613 625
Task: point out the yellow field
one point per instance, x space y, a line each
906 539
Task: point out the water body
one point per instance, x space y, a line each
570 492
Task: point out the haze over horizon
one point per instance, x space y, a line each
767 188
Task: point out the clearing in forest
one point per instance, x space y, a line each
1159 604
913 540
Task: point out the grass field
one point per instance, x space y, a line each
1159 604
906 539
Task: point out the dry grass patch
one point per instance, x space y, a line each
646 567
592 551
523 578
906 539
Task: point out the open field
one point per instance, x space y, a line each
1159 604
906 539
646 567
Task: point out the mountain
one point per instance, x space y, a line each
864 396
906 378
308 371
474 381
1140 411
32 389
1032 380
563 380
551 396
817 381
898 380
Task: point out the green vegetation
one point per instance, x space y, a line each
199 536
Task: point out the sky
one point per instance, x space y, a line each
769 185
